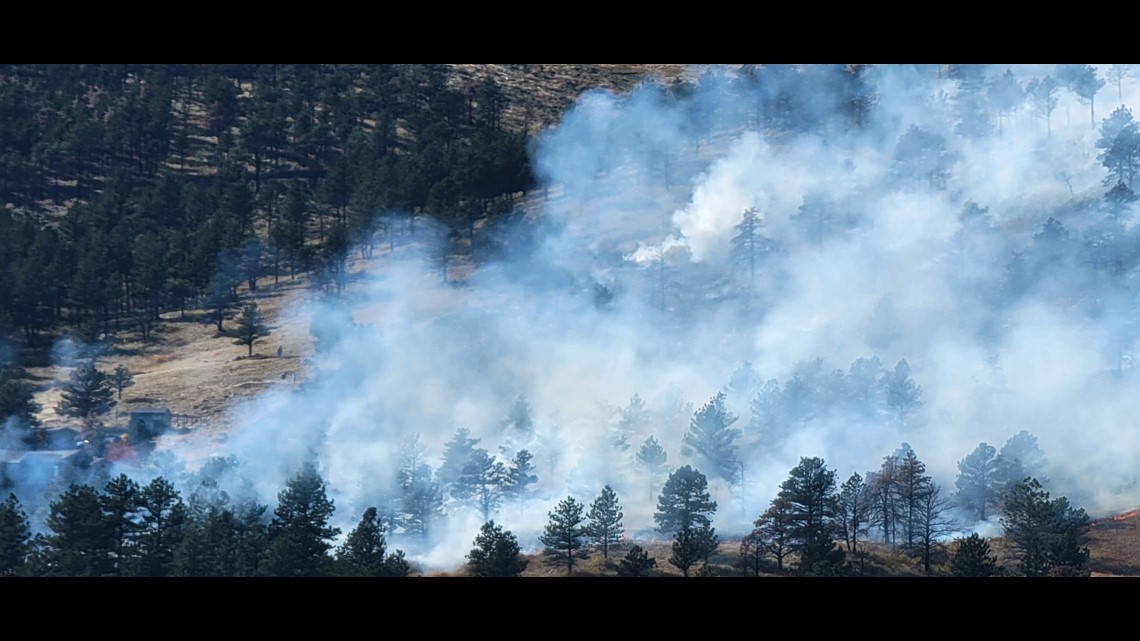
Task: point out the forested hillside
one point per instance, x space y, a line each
134 189
568 319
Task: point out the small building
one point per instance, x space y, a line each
147 423
42 467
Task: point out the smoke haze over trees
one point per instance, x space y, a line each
900 255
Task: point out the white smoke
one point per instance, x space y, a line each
644 199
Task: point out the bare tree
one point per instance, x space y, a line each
934 525
854 511
1116 75
1043 93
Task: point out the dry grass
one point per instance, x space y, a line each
1114 545
720 563
539 94
190 369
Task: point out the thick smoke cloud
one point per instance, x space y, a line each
628 285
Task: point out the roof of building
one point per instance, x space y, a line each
32 455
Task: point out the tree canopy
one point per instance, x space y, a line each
300 530
88 393
496 553
565 535
684 502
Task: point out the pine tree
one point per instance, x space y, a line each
637 562
397 564
220 300
1045 534
364 552
901 393
749 245
978 481
224 543
121 378
457 453
496 553
707 542
565 535
251 537
605 526
120 503
1083 81
519 476
971 101
1019 458
81 541
634 418
810 492
684 501
774 530
652 459
519 417
87 393
250 327
973 558
420 497
686 550
481 483
300 530
17 397
745 381
421 500
15 536
1005 94
163 519
921 156
190 557
711 437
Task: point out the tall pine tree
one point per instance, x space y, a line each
565 535
605 526
87 394
301 535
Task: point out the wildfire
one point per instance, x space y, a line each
1124 516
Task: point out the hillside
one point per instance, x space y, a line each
185 366
188 368
791 257
539 94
